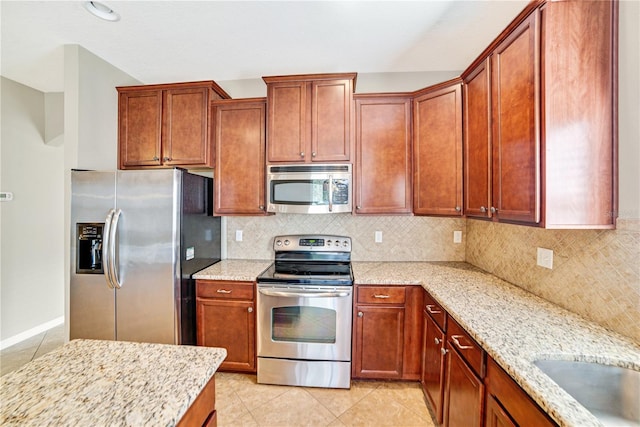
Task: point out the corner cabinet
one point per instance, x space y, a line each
166 125
239 140
383 154
386 332
437 150
540 138
309 117
225 317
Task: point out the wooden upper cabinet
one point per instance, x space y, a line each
383 154
309 117
579 114
515 138
437 150
550 82
239 139
166 125
477 141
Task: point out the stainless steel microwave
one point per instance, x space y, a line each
309 188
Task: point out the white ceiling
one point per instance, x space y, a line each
166 41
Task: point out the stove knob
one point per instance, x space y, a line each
345 244
329 242
278 242
286 242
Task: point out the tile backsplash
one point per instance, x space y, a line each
404 238
596 273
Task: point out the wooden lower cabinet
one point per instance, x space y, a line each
387 332
433 364
225 317
508 404
464 395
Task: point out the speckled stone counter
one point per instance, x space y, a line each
234 269
514 327
108 383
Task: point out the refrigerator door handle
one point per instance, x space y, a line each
113 250
106 248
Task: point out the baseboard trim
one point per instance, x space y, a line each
22 336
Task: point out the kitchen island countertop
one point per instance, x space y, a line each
115 383
513 326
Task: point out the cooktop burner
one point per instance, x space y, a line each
310 259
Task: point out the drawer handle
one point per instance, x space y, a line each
454 338
380 296
431 310
223 291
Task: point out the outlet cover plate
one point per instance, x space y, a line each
545 258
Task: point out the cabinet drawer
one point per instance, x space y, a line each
224 289
435 311
381 294
470 351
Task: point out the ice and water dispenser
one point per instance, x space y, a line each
89 248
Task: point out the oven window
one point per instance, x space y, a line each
303 324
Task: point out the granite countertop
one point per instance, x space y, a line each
234 269
514 327
114 383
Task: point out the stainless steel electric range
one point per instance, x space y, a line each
304 312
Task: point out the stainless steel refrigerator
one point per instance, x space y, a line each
136 239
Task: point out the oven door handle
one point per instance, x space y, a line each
304 294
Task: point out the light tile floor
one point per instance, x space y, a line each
13 357
240 401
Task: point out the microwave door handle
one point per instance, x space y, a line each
330 193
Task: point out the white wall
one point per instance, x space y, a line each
31 287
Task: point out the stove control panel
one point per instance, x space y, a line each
312 243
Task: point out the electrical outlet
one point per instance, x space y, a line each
545 258
457 236
238 235
378 236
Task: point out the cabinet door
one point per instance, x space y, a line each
433 365
383 155
515 137
477 142
330 120
437 146
464 394
239 140
185 138
140 128
229 324
379 340
287 122
496 416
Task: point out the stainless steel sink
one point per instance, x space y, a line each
610 393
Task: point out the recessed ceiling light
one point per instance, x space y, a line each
101 10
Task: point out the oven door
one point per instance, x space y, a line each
310 323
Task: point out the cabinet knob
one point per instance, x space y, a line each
261 207
302 154
444 351
437 341
360 314
358 207
458 209
250 309
166 159
494 210
156 158
313 154
483 209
